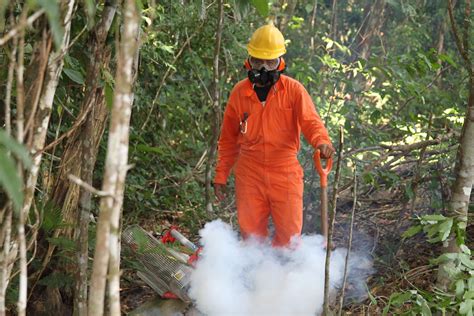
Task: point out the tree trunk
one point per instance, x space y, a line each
216 109
372 28
54 68
91 136
66 194
108 230
333 35
313 23
458 206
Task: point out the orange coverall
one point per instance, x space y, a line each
263 141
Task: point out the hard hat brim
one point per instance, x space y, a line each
264 54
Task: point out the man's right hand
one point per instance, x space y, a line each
219 190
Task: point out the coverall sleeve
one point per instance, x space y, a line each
228 148
311 124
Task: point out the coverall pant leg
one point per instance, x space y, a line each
264 191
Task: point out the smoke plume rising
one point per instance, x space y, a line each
251 278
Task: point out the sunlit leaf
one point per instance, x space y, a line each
412 231
261 6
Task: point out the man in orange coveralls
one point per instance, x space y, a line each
260 134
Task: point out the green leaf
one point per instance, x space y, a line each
52 12
149 149
459 287
10 181
468 295
89 7
434 217
17 149
466 260
445 229
261 6
109 95
466 307
470 283
52 217
63 243
74 75
412 231
400 298
465 249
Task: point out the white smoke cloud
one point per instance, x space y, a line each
234 277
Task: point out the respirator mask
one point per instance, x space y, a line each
264 72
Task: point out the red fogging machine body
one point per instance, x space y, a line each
164 264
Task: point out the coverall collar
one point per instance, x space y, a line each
279 85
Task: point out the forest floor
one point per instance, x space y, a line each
380 220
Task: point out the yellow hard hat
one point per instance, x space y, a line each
267 42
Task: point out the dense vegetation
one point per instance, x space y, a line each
396 75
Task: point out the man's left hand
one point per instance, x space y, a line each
326 151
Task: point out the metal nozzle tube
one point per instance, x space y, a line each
183 240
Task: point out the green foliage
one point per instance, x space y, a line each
57 280
54 18
9 179
261 6
90 9
459 267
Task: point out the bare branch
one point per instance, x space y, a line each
88 187
14 31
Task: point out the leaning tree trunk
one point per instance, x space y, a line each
464 171
107 251
216 109
41 123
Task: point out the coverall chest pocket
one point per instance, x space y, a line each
249 127
285 117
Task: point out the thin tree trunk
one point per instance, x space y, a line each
334 21
20 87
371 28
8 92
108 231
332 219
54 68
7 257
464 171
313 23
6 261
216 108
89 151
